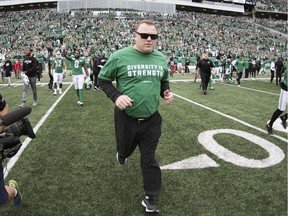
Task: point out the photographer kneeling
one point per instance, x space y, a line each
7 193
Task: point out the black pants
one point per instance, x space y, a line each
130 133
272 76
205 78
96 73
239 76
278 77
246 73
3 192
50 84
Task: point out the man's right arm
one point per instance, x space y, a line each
64 53
109 89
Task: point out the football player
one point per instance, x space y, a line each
89 64
58 69
228 70
77 74
282 106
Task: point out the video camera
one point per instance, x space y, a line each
9 139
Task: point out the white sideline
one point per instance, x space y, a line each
26 142
230 117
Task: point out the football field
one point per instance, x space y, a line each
215 154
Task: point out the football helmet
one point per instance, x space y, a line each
88 83
25 78
58 54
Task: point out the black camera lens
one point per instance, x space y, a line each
21 127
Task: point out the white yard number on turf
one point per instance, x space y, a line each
276 155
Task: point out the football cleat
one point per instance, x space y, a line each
269 129
283 122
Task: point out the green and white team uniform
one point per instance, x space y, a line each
58 73
228 71
218 67
139 76
78 76
88 64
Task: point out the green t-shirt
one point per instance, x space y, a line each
240 65
246 63
77 65
139 76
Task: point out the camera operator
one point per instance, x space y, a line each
11 192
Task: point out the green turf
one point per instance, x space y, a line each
70 168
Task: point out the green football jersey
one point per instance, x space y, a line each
77 65
88 61
58 64
50 62
139 76
216 63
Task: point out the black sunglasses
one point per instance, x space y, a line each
145 36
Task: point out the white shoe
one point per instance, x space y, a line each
55 92
22 105
60 91
34 103
81 103
78 102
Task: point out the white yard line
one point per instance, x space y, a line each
235 86
230 117
26 142
256 90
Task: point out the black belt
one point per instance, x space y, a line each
141 120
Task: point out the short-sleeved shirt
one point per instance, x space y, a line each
77 65
240 65
58 64
139 76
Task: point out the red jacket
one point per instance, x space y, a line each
17 65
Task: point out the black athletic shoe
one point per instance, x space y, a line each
269 129
149 205
121 160
284 124
205 93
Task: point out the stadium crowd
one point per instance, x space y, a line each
272 5
183 35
